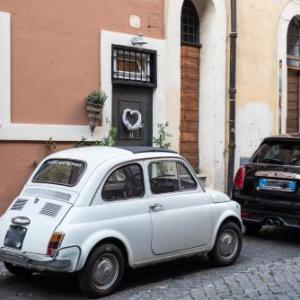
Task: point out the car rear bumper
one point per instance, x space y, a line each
270 218
269 211
36 262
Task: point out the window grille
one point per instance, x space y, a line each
293 42
135 66
189 24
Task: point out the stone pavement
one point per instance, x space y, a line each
278 280
268 268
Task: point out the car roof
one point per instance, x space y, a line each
284 137
98 154
144 149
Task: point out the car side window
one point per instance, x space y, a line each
163 177
124 183
187 182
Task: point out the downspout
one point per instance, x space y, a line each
232 98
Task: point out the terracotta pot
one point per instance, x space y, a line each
95 108
94 115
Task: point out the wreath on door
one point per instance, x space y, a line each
129 126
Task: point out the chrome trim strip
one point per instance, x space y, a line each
20 221
278 174
47 264
274 188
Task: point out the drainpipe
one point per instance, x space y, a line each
232 98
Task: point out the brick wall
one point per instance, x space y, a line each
190 61
292 122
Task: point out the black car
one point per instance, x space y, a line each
268 187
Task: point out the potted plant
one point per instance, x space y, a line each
94 105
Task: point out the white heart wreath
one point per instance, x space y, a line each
131 127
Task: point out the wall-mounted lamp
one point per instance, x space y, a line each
138 40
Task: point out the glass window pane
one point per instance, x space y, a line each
187 182
293 41
279 153
60 171
124 183
189 23
163 177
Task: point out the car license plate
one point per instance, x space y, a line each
14 237
277 185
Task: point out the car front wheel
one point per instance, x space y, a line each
228 245
103 271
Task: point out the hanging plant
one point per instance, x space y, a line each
94 105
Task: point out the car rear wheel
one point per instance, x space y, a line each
18 271
103 272
228 245
251 229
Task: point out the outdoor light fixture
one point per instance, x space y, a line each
138 40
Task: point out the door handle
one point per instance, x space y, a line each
156 207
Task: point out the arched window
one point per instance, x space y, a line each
189 24
293 42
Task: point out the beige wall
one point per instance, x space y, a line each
56 52
257 73
257 50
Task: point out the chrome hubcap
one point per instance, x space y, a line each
106 271
228 244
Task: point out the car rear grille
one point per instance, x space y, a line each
19 204
50 209
55 195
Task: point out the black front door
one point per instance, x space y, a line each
129 104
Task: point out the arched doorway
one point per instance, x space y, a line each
293 69
212 83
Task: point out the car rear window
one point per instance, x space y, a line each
279 153
60 171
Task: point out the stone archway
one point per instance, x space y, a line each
212 91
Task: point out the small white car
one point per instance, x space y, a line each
95 210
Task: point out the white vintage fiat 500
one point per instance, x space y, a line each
96 210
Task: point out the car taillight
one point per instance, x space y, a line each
239 179
244 214
54 243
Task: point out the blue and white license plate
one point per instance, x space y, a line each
277 185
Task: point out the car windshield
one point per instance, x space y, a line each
279 153
60 171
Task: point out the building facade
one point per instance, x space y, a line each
53 53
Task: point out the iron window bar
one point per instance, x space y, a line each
133 66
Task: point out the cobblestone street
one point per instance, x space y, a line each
268 268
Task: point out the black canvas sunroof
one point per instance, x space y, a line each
144 149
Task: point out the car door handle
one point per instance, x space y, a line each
157 207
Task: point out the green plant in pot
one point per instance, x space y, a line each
94 105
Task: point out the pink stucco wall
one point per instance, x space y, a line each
56 52
55 63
